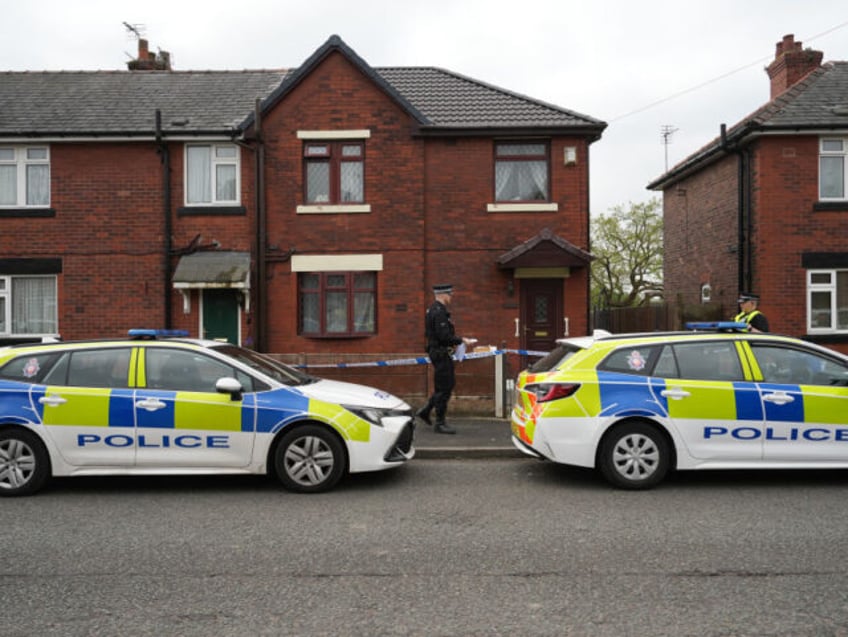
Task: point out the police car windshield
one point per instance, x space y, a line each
280 372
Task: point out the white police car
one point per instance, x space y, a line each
636 406
152 405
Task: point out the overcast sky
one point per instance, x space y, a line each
639 65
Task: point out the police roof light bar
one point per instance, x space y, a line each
717 326
142 333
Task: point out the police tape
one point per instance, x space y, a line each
422 360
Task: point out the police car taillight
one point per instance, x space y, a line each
547 392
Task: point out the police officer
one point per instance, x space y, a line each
441 341
748 313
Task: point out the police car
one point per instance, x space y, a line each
149 405
718 397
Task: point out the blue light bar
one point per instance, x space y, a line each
716 326
149 333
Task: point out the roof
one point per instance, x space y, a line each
124 103
817 103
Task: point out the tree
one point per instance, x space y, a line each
628 246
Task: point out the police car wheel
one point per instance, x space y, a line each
24 465
634 456
309 459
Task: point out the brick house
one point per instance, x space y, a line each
764 206
305 211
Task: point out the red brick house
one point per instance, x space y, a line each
303 211
764 206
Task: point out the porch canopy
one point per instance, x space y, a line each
545 251
218 269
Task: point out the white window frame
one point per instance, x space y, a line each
214 163
6 305
830 288
831 153
21 160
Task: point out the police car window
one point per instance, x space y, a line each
708 360
31 368
666 366
554 358
99 368
637 360
183 370
797 367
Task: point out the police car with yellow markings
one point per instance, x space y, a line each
154 404
718 397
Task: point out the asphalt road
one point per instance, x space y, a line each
439 547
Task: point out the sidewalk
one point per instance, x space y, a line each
475 438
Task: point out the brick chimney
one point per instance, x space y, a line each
791 64
148 61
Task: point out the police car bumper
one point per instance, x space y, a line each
390 445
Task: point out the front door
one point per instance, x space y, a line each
542 313
220 315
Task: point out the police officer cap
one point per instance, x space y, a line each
443 288
748 296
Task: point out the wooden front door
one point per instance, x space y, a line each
542 312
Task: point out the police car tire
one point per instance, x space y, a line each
634 455
309 459
25 451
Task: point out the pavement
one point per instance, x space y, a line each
475 437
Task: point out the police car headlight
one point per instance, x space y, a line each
375 415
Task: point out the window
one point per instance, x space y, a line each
827 300
28 305
521 172
632 360
796 367
334 172
24 176
212 174
342 304
832 168
700 361
182 370
95 368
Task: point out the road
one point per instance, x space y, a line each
439 547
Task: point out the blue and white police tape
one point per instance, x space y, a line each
423 360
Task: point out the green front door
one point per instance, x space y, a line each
221 315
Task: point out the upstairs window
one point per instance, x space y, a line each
832 168
24 176
338 304
827 301
334 172
212 174
521 172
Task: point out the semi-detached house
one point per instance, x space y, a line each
304 211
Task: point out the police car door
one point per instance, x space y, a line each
715 410
182 421
805 398
87 407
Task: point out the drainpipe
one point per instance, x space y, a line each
165 158
261 238
743 215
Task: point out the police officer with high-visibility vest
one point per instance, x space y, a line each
748 313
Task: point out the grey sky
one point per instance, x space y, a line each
639 65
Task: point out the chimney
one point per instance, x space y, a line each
791 64
148 61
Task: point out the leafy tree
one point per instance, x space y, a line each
628 246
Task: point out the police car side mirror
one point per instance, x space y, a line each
229 386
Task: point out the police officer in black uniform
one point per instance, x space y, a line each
441 341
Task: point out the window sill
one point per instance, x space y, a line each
212 211
830 206
326 209
826 337
27 212
522 207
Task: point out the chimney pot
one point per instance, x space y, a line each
791 64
